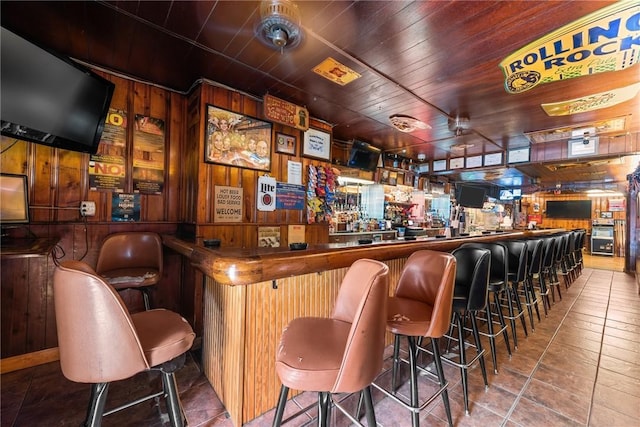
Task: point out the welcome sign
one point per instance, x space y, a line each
606 40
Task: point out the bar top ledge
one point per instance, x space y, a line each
234 266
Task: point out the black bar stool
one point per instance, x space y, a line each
548 258
498 279
470 296
518 259
535 252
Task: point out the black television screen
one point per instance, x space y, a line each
575 209
471 197
14 202
363 156
49 99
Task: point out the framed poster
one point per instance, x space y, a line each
493 159
457 163
285 144
474 162
518 155
234 139
583 147
439 165
317 144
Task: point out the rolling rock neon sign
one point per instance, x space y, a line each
606 40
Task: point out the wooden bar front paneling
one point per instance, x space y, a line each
251 295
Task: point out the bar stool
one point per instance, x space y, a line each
101 342
552 274
578 249
545 277
518 259
342 353
498 278
131 260
470 296
421 307
534 250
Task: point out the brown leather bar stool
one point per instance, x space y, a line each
101 342
471 295
131 260
421 308
342 353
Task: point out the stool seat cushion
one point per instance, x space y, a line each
408 317
163 334
310 353
125 278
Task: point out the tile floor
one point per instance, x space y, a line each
580 367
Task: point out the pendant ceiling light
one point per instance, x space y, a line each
407 124
279 25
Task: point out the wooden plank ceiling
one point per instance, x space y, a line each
432 60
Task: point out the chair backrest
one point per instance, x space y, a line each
429 277
362 301
135 249
472 274
518 259
561 246
499 261
534 248
549 252
96 337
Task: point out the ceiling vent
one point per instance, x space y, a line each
279 25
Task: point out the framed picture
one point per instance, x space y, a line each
285 144
234 139
317 144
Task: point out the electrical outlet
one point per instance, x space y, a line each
87 208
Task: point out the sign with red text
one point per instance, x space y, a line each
281 111
266 193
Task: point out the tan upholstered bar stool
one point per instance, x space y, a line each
131 260
101 342
342 353
421 307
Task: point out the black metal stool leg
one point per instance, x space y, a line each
96 404
324 401
174 408
282 401
413 356
368 404
396 361
437 360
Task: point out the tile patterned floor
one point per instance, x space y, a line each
580 367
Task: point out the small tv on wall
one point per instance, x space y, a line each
364 156
14 200
49 99
470 196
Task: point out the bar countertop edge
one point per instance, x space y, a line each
233 266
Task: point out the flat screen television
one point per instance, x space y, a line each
364 156
49 99
470 196
14 200
574 209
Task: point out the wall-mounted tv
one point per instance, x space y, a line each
470 196
364 156
49 99
14 201
574 209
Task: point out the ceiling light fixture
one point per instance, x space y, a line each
279 24
407 124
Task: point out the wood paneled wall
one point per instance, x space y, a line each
201 178
58 182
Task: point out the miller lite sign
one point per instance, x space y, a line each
266 193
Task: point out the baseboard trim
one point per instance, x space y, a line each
29 360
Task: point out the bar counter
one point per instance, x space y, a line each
250 295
